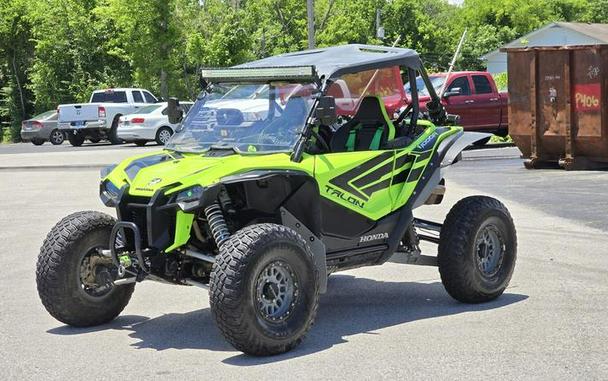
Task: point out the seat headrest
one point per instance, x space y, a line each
371 110
295 108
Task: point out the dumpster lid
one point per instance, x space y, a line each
550 48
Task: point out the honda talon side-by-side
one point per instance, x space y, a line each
285 170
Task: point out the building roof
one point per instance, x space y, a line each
598 32
337 60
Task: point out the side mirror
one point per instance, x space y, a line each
453 92
326 110
174 111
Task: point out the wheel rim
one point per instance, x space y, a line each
489 250
276 291
95 274
57 137
164 136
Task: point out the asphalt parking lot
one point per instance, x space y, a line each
389 322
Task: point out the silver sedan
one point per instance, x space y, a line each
42 128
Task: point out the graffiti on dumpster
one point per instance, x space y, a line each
593 72
587 97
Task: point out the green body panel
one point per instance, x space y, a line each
178 172
196 169
183 224
391 193
329 166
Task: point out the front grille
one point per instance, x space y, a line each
156 224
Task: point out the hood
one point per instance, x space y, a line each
176 171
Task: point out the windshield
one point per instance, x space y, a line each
246 117
436 80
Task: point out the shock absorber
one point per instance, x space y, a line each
217 224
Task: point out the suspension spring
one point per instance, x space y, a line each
217 224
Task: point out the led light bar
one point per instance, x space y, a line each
300 73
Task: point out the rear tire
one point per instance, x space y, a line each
113 133
163 135
264 289
140 143
76 139
65 256
57 137
37 142
94 140
477 249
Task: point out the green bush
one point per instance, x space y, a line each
502 81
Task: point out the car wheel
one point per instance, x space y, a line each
163 135
76 139
140 143
264 289
94 140
477 249
57 137
37 142
75 281
113 133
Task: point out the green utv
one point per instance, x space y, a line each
285 170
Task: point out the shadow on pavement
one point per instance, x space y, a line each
351 306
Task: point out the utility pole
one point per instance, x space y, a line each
379 27
310 11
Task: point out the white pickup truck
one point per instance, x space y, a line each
98 119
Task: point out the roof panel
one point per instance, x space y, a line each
337 60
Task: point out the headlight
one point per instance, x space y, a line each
190 194
109 193
189 199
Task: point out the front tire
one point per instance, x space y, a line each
37 142
74 281
477 249
264 289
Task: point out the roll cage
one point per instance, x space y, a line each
323 67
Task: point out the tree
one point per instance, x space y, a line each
145 32
16 50
71 56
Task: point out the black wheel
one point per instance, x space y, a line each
477 249
76 139
113 133
140 143
163 135
264 289
94 140
57 137
75 282
37 142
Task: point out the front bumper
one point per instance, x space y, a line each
162 226
88 125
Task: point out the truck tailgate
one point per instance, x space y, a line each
78 112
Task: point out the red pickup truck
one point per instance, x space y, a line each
473 96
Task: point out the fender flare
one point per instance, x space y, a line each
449 150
